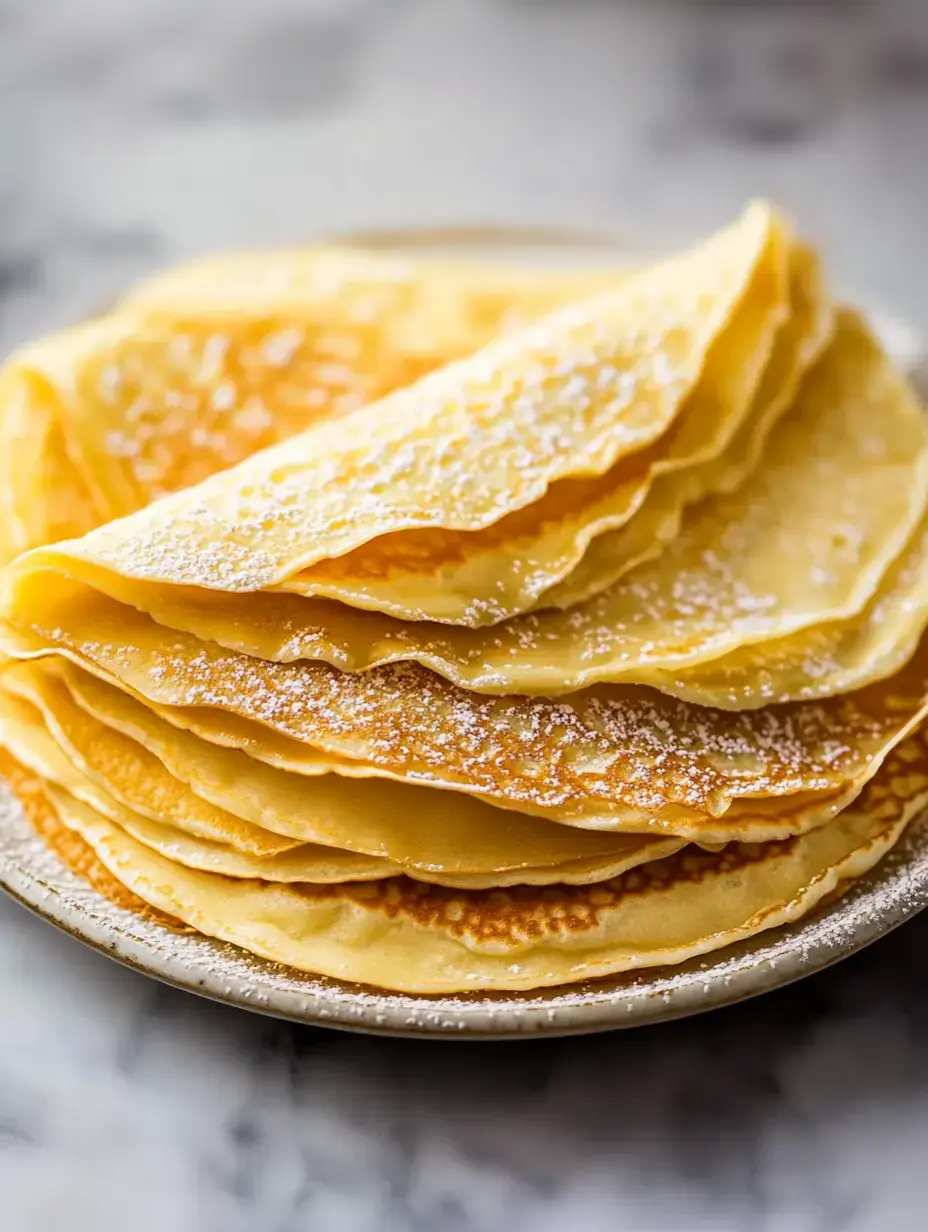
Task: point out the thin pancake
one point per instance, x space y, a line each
43 497
799 344
242 785
824 660
30 734
402 935
328 865
566 398
205 365
482 577
71 849
222 796
419 306
24 734
614 755
807 540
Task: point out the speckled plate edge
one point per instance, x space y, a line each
894 892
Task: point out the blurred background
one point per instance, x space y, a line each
132 134
137 132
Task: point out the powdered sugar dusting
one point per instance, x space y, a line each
222 358
613 751
465 445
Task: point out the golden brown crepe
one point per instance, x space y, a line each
403 935
621 757
148 768
205 365
565 399
805 541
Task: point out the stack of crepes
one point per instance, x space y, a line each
596 648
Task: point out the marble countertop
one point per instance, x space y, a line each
134 134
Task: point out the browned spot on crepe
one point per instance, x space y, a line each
71 848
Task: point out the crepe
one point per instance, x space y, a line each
611 757
521 414
825 659
715 589
472 689
799 343
405 936
42 497
328 865
152 771
23 735
477 578
135 776
204 365
419 306
805 541
195 382
71 849
254 788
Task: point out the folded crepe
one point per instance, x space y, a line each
566 399
612 756
203 366
404 935
827 529
224 797
268 788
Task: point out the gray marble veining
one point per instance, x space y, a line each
805 1111
135 134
